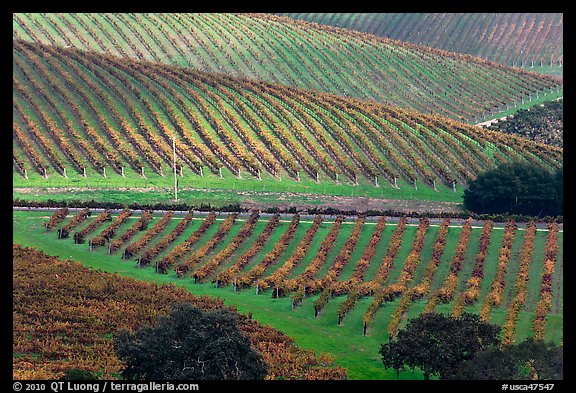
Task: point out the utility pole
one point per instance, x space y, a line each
175 178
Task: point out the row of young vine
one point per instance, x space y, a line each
226 252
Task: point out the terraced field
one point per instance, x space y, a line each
299 54
515 39
89 115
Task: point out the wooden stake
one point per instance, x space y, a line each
220 172
201 172
64 173
122 171
104 172
84 171
175 176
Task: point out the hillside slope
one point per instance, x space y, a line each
85 113
281 50
65 316
525 40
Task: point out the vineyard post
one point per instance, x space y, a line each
220 172
356 179
376 181
395 185
104 172
239 176
257 288
298 176
122 171
434 185
317 177
175 175
336 177
259 177
90 244
45 173
142 170
201 172
64 173
415 186
25 174
454 185
84 171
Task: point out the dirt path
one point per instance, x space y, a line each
263 200
363 204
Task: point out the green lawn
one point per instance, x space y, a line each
194 189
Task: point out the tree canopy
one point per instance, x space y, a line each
516 188
438 344
527 360
190 344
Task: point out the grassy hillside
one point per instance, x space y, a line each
300 54
323 280
82 116
529 40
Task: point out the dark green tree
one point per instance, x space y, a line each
514 188
438 344
559 180
525 361
190 344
